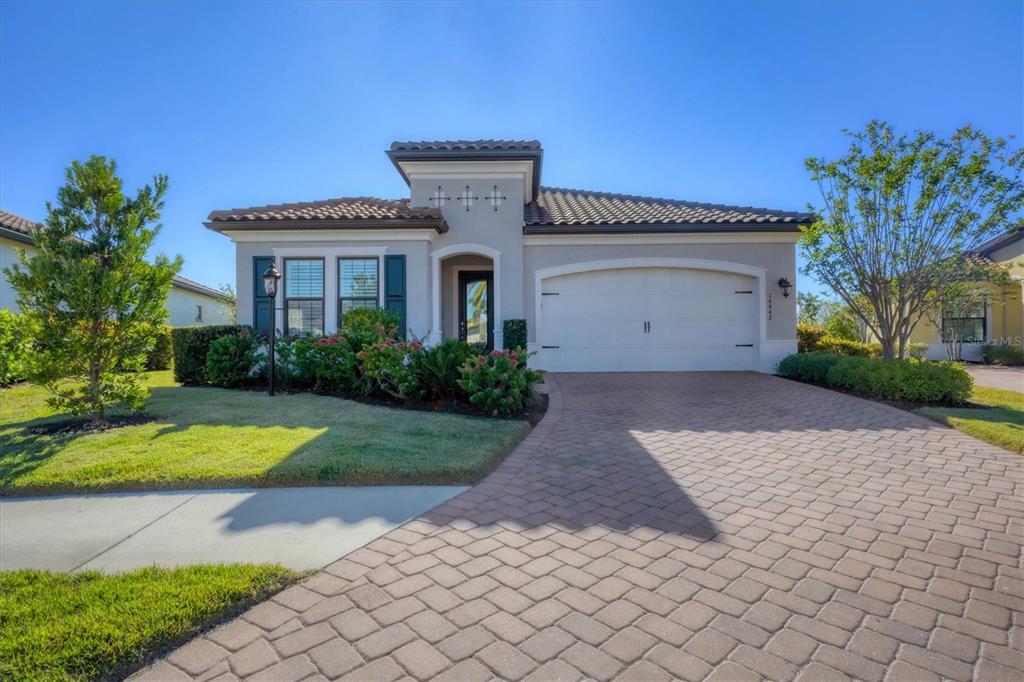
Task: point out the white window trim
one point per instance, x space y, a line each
330 255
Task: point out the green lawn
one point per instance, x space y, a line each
1002 425
208 437
90 626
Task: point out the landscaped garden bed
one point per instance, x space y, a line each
201 437
90 626
942 391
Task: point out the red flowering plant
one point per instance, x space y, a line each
387 367
498 383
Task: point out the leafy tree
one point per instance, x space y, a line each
229 303
90 293
810 307
900 212
843 322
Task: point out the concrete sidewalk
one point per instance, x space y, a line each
302 528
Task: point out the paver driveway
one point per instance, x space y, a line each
721 526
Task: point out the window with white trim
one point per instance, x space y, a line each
964 324
358 284
304 295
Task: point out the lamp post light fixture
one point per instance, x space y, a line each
786 285
270 279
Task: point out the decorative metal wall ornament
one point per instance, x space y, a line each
467 198
438 197
495 197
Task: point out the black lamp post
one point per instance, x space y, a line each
270 280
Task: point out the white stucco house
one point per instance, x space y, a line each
188 303
605 282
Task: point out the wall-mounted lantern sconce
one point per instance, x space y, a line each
785 285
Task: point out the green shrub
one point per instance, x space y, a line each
498 383
231 359
370 325
840 346
161 355
329 363
1002 354
387 367
514 334
15 347
437 368
915 350
808 336
811 367
192 344
911 380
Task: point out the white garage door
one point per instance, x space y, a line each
648 320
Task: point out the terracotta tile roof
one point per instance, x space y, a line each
16 223
352 212
466 145
570 210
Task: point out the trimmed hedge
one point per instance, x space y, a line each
191 346
1002 354
161 355
925 382
514 333
808 336
840 346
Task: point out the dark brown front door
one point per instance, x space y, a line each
476 308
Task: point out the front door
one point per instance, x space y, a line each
476 308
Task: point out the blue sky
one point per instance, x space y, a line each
251 103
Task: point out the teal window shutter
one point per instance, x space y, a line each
394 289
262 305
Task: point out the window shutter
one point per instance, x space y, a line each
394 289
262 306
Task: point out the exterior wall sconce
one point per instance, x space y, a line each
785 285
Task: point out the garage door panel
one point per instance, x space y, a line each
697 321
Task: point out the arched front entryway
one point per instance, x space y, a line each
465 294
650 314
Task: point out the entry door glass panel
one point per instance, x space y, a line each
476 311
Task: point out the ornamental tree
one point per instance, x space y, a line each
89 292
899 214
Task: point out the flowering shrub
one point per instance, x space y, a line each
498 383
387 367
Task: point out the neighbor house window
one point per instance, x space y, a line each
199 313
304 295
964 324
358 284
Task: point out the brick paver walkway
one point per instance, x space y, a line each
695 526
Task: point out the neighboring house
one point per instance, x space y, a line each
189 303
998 320
606 282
